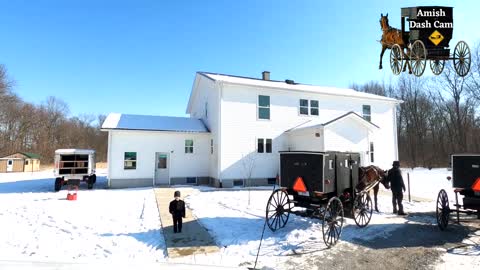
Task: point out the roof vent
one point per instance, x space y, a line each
266 75
290 81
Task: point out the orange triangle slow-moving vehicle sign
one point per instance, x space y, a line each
299 185
476 185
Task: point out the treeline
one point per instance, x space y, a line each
43 128
440 114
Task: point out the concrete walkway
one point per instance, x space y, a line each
194 239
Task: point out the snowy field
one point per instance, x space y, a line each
123 225
38 224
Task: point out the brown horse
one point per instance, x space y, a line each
372 175
390 37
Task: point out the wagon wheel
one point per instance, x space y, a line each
332 222
443 210
418 58
278 210
396 59
462 58
437 66
362 209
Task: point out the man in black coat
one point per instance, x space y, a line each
396 184
177 209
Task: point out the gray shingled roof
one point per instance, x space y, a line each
155 123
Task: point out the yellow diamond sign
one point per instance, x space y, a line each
436 37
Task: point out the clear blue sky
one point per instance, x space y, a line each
141 56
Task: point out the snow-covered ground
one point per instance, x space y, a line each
38 224
237 224
123 225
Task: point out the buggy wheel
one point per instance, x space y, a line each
396 59
58 183
418 58
332 222
462 58
437 66
362 209
443 210
278 210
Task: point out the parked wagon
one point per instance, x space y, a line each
466 182
73 166
322 185
428 38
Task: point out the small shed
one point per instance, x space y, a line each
20 162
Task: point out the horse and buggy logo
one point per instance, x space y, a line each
428 38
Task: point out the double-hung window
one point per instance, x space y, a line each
130 161
264 145
308 107
304 106
367 113
263 107
188 146
314 107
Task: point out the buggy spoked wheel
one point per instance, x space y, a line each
418 58
462 58
362 209
443 210
437 66
278 210
332 222
396 59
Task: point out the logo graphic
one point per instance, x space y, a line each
436 37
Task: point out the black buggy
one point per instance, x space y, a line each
322 184
466 182
431 29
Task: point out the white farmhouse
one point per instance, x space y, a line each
237 126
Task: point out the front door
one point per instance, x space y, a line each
9 165
161 169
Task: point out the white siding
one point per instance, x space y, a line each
240 126
146 143
306 140
207 93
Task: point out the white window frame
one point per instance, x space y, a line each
311 107
264 143
308 107
125 160
304 107
264 107
367 117
188 147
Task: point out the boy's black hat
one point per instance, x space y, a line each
396 163
176 194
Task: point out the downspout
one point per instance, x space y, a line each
109 149
395 131
219 85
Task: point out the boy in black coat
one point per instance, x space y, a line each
396 184
177 209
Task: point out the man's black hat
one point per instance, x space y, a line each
176 194
396 163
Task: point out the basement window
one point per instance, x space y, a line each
191 180
188 146
130 161
264 107
367 113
